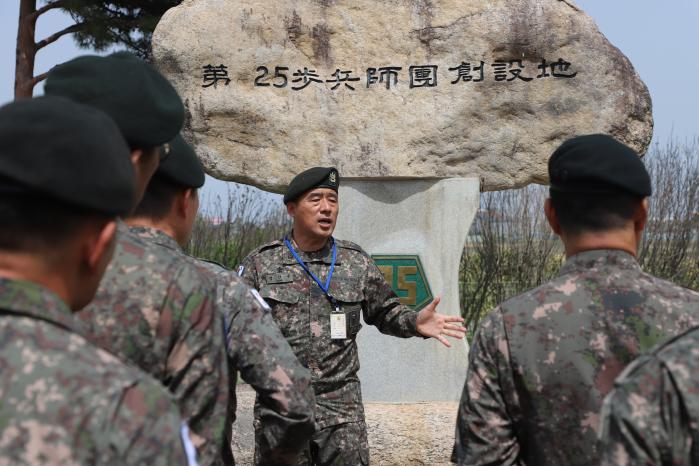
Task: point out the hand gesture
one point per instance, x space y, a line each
432 324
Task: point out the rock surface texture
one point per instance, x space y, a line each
485 88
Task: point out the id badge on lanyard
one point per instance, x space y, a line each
338 324
338 319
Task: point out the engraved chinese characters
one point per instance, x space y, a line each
420 89
418 75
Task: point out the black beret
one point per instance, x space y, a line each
60 149
143 103
316 177
598 163
182 165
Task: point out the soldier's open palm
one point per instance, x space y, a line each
432 324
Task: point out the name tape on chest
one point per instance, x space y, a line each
278 277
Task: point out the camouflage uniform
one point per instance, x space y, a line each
652 415
65 401
542 362
302 311
154 309
264 358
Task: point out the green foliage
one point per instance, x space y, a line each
107 23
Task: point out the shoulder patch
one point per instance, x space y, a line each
241 269
260 299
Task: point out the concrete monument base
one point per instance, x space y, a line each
429 219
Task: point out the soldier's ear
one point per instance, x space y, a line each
551 216
640 216
184 200
99 245
291 209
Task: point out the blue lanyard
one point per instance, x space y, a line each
325 287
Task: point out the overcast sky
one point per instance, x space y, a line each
659 37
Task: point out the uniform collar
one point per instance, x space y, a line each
600 258
32 300
324 255
154 235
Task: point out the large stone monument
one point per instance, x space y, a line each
419 104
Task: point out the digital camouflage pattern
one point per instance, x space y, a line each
542 362
154 309
302 311
258 350
652 415
65 401
341 445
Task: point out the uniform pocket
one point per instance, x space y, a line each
283 299
280 293
350 300
353 323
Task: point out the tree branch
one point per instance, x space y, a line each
38 78
45 8
55 36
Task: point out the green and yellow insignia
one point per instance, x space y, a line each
407 277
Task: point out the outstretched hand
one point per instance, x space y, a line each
432 324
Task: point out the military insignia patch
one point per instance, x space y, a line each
332 177
407 277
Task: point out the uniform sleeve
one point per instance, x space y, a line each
265 361
643 421
145 428
382 307
195 371
485 433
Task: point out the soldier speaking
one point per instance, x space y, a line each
317 286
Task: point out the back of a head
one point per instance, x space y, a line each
181 170
61 164
597 183
145 106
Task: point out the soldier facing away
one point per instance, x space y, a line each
153 308
255 345
317 286
65 176
651 415
542 362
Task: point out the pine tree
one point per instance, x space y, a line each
97 25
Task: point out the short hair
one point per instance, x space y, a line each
158 198
36 223
593 212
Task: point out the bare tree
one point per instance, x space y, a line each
512 249
670 248
228 229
